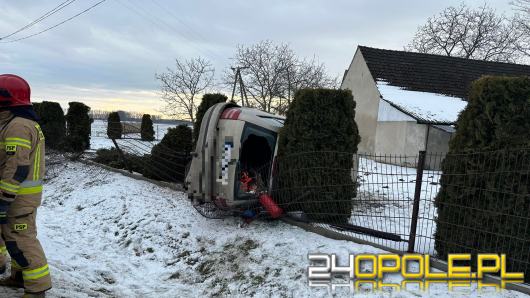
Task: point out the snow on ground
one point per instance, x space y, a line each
99 139
386 196
107 235
424 105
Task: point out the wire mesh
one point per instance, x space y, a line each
474 202
478 203
366 196
466 203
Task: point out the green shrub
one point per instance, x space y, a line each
112 158
315 180
169 158
146 131
78 127
52 122
208 100
109 157
114 127
483 202
36 106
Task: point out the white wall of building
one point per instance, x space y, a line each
385 130
388 113
359 80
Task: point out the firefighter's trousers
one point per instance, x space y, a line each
19 237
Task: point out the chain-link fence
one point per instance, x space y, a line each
130 129
475 203
436 204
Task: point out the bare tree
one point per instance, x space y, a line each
522 19
470 33
263 67
521 5
181 86
272 73
304 74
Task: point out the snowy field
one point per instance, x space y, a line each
99 139
107 235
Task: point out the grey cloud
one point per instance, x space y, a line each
122 43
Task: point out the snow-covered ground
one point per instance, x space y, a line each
107 235
385 200
100 140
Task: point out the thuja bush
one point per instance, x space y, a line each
169 158
114 127
208 100
78 127
483 202
52 122
147 133
316 155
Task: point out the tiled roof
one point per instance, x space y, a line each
433 73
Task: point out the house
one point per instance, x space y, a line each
407 102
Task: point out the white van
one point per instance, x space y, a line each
234 155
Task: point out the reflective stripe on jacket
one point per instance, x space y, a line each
21 156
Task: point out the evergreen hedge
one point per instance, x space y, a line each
483 203
114 127
78 127
169 157
112 158
316 151
208 100
147 132
52 122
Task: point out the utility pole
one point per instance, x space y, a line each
239 79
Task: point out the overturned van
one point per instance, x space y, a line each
233 158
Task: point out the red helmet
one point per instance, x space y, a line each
14 91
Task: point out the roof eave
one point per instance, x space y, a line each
418 119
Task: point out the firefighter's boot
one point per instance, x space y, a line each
12 282
3 257
34 295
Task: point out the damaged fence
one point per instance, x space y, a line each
476 202
436 204
151 159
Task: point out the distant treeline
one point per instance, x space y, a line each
134 117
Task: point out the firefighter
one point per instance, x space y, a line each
21 173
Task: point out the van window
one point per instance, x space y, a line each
255 160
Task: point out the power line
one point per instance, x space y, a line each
176 17
190 30
42 17
162 23
56 25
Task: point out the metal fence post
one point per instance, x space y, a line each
416 204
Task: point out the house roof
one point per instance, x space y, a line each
433 73
449 78
424 107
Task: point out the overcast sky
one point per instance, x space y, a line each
107 57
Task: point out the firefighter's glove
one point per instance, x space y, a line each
4 208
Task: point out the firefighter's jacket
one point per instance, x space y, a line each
21 160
